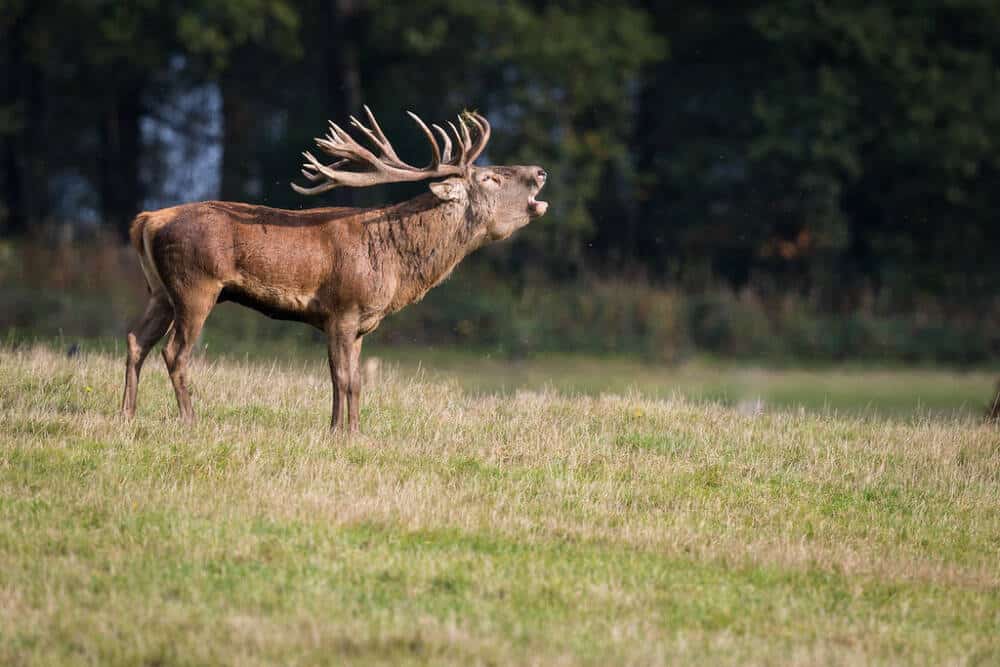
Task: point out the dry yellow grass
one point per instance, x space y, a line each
533 528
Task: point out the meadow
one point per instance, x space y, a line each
540 525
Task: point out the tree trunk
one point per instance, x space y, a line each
14 105
343 75
237 124
121 148
15 222
343 72
15 219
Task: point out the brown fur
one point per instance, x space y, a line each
340 270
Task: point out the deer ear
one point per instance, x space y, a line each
452 189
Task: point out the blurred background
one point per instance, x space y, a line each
782 183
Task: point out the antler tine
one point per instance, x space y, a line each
329 171
344 143
446 151
384 142
332 133
435 150
333 147
458 138
308 170
313 163
315 190
310 157
368 133
484 135
315 175
342 136
466 137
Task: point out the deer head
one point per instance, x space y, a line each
500 198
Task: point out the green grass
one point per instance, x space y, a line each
855 388
567 525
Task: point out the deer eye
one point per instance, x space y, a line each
486 178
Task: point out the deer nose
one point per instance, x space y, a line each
540 175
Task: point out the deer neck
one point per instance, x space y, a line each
428 238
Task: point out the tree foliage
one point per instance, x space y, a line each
816 145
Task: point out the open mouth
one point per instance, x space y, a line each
536 208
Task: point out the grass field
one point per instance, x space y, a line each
861 389
554 526
898 393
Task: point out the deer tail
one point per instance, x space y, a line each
140 233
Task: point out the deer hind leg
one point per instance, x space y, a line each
190 312
141 338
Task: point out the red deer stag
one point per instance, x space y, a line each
340 270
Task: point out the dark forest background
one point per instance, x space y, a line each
813 179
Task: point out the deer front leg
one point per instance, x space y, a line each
341 339
354 388
338 378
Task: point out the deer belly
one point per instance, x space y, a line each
276 303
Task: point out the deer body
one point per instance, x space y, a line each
341 270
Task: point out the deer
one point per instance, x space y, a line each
341 270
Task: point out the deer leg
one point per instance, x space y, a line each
141 338
354 388
189 317
340 348
338 379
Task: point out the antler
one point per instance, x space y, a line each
359 167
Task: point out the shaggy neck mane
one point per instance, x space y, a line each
428 237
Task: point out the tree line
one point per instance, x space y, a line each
834 149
